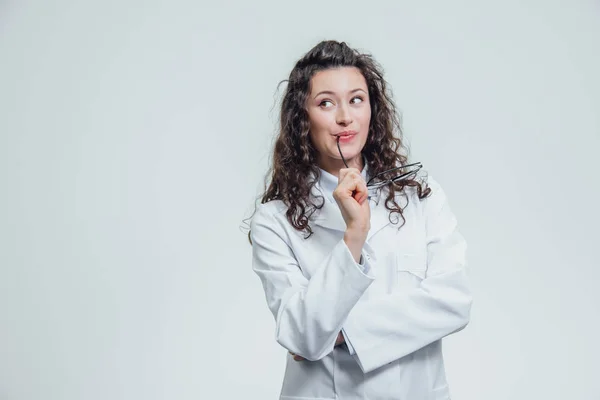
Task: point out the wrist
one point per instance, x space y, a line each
355 243
356 236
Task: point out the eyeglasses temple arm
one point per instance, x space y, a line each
340 150
418 164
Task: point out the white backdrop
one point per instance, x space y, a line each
134 137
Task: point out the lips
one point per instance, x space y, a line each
345 134
345 138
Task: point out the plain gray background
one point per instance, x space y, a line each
135 137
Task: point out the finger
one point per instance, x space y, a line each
361 191
361 197
351 180
345 171
342 174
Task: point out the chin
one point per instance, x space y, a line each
349 155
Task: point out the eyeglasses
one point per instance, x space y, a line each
380 180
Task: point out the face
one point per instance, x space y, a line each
338 104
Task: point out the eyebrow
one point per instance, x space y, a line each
332 93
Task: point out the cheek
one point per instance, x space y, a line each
365 119
319 127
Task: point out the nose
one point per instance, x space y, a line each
343 116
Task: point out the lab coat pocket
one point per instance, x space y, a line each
410 270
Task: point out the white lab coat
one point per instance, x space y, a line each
414 293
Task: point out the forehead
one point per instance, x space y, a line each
338 80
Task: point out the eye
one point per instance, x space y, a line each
324 102
360 100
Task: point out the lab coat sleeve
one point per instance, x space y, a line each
309 313
348 343
389 327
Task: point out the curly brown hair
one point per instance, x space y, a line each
294 169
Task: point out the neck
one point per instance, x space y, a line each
333 165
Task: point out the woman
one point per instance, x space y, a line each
363 268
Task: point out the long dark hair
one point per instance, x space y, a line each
294 170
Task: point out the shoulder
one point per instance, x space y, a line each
269 214
436 207
437 195
272 208
433 201
427 181
435 186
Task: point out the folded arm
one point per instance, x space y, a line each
309 313
384 329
